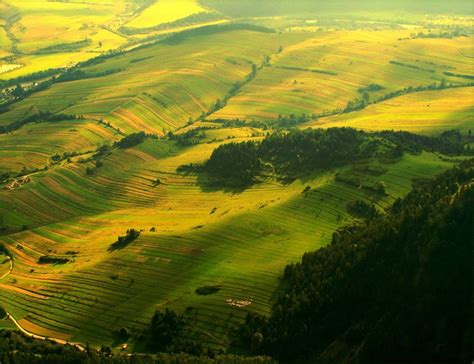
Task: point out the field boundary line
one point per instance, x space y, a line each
45 338
9 270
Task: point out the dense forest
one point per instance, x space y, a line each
394 289
297 152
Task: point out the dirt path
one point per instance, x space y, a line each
9 270
39 337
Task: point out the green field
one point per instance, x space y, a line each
55 200
427 112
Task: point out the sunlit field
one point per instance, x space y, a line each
165 11
111 110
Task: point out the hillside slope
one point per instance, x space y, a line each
397 289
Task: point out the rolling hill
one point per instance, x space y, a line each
112 112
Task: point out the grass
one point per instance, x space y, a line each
242 246
194 236
167 86
430 112
33 145
165 11
357 59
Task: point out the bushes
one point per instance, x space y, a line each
41 116
361 208
4 250
131 140
123 241
207 290
191 137
48 259
18 349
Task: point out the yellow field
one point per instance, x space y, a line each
193 233
165 11
43 23
160 87
324 70
34 63
427 112
33 145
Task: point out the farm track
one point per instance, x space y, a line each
39 337
9 270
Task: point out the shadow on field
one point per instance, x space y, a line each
208 183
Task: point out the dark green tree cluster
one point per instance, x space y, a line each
131 140
460 32
4 250
41 116
100 59
410 89
75 74
373 87
18 349
235 88
292 120
395 289
191 137
293 153
366 100
19 92
48 259
123 241
450 142
469 77
235 163
166 333
31 77
362 209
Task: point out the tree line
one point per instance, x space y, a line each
19 92
18 349
290 154
40 116
397 288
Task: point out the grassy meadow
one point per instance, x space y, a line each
428 112
165 11
182 78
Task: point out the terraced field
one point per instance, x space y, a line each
36 35
165 11
58 201
238 240
429 112
33 145
156 88
325 71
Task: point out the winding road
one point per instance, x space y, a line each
9 270
30 334
39 337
